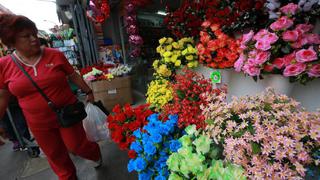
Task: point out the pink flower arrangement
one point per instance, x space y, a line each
285 48
269 135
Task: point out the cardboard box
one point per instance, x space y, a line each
116 91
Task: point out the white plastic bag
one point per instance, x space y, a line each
95 124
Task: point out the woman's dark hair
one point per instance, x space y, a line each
11 24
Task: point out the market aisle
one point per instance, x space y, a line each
13 165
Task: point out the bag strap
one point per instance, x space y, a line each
50 103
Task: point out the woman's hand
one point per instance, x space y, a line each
90 98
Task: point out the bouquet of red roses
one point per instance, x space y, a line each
216 49
124 121
190 91
186 20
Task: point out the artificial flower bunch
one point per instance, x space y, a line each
154 143
235 15
216 49
174 55
286 47
159 93
124 121
189 89
120 70
186 20
97 72
310 8
198 158
269 135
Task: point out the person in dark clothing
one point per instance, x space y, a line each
19 122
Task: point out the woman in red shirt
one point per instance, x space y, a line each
50 70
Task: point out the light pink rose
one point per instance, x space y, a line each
294 69
314 71
306 55
251 70
247 37
282 23
290 9
304 28
253 53
260 35
264 35
262 57
278 63
290 36
263 45
206 24
313 38
239 63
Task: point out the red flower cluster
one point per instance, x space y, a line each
124 122
228 11
186 20
190 91
216 49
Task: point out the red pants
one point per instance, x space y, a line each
57 142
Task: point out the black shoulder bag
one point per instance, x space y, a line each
67 115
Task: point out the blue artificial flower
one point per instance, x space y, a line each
160 177
174 145
153 117
156 138
164 172
163 153
149 148
174 118
136 146
131 165
137 133
140 164
145 175
145 138
164 129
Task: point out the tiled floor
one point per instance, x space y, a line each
13 165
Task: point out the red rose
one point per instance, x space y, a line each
132 154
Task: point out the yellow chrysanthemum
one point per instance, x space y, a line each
167 54
169 47
175 45
159 93
162 40
177 63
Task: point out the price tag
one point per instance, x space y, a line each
215 77
114 91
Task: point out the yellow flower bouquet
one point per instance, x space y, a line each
159 93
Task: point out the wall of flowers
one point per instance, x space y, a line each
189 130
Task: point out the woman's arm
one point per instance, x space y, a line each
77 79
4 100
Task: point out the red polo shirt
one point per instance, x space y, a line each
50 73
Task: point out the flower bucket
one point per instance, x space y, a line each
279 83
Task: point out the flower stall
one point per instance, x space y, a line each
253 126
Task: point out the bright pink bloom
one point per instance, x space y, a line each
262 57
294 69
282 23
201 49
268 68
306 55
314 71
239 63
300 42
252 70
278 63
287 59
290 8
313 38
260 34
266 36
303 28
290 35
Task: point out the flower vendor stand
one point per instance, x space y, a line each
114 91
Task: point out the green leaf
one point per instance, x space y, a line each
180 94
209 121
256 148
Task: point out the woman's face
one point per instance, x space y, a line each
27 41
